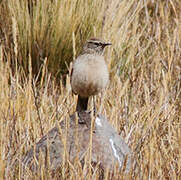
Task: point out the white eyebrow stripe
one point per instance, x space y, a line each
92 41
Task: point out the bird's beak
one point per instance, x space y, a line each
107 44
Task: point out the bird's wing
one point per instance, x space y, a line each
71 80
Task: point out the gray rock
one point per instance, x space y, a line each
108 148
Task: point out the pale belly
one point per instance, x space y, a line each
89 80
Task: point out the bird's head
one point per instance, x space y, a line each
95 46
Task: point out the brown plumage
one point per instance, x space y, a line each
89 74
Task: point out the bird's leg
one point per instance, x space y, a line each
82 104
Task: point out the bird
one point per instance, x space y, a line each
89 75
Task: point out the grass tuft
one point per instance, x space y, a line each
39 39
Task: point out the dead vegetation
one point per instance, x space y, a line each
143 101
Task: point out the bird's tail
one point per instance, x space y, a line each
82 104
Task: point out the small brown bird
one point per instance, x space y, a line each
89 74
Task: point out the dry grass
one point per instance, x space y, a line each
143 101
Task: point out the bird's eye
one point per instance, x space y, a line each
97 44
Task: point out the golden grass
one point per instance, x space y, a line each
143 100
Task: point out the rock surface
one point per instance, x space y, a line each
108 148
